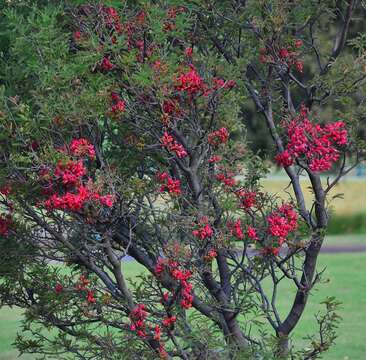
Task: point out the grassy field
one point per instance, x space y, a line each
346 273
353 190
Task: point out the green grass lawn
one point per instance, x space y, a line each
346 273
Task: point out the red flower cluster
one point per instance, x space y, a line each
111 18
313 142
5 190
138 316
169 184
71 172
6 220
59 288
171 107
223 84
81 285
203 229
288 55
182 275
236 229
187 297
77 35
211 254
248 199
157 333
174 11
214 159
81 148
76 201
191 82
118 104
90 297
281 222
270 250
106 64
5 223
68 201
188 52
228 179
284 158
69 175
252 233
171 145
217 137
169 321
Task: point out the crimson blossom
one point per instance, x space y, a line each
134 223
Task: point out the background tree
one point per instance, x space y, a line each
121 134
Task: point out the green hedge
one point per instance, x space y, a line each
347 224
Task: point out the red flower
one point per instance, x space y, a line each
171 145
270 250
171 107
118 107
299 66
251 233
203 230
77 35
313 143
141 17
167 322
59 288
228 180
281 222
284 53
90 297
137 317
81 147
284 159
236 229
4 225
160 267
5 190
220 136
210 255
214 159
298 43
139 312
263 59
157 333
165 295
70 172
107 200
191 82
162 352
169 184
188 52
222 84
248 199
106 64
82 283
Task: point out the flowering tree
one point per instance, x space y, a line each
121 135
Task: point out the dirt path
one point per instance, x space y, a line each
349 248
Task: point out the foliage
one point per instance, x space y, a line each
121 134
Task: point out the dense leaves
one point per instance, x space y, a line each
121 133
